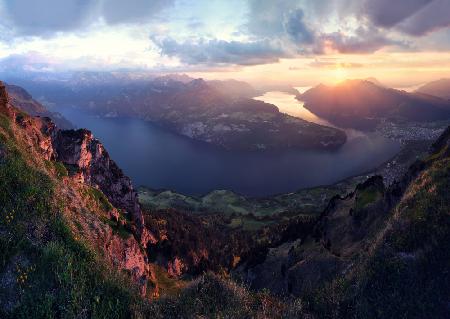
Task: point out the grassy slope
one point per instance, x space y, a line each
249 214
311 201
406 273
45 271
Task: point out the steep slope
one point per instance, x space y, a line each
439 88
406 273
348 224
376 253
57 213
360 104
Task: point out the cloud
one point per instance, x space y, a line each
195 24
365 40
433 17
265 18
132 11
262 31
221 52
43 17
331 64
29 62
48 17
413 17
387 13
276 29
297 29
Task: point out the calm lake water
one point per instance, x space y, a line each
156 158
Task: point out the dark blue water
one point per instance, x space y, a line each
156 158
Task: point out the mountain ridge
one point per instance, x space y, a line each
206 111
439 88
362 104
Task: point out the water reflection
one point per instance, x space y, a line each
289 104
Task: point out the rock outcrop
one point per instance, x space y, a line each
88 163
92 165
79 148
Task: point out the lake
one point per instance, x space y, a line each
159 159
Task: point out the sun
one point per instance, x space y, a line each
339 74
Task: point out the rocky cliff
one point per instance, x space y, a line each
80 150
87 160
91 196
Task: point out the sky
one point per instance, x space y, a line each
298 42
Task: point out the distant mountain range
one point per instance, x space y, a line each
439 88
362 103
25 102
221 113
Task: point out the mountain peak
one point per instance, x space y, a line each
374 81
184 78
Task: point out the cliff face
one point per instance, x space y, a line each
99 198
88 158
85 153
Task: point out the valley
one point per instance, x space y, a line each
197 159
296 246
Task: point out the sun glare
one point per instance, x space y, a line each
339 74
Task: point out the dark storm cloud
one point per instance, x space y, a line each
221 52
